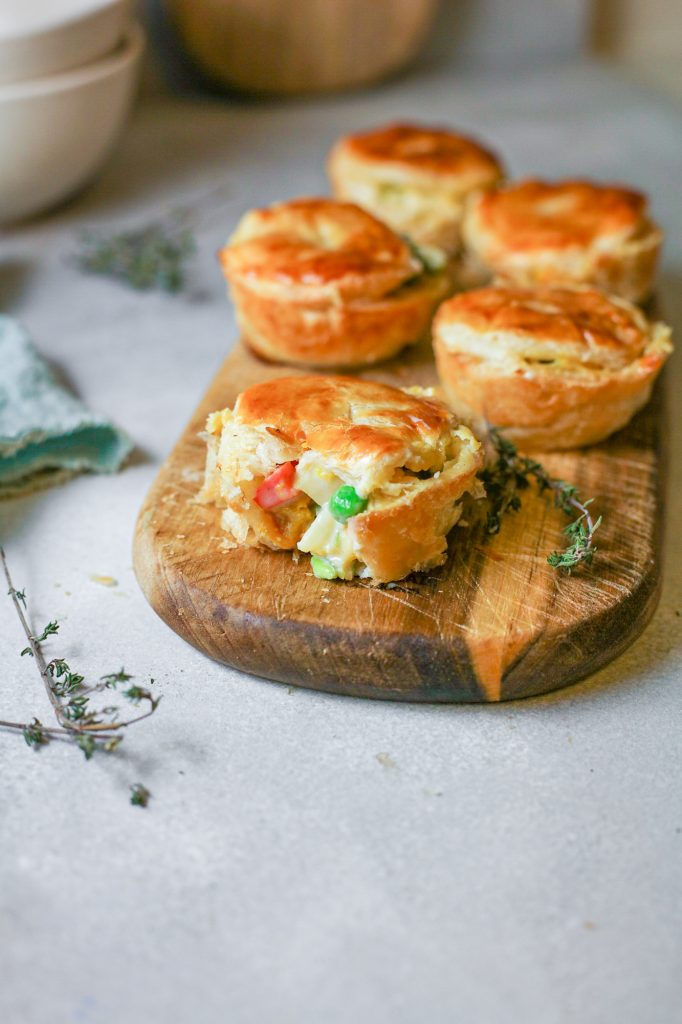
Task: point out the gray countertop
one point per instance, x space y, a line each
518 862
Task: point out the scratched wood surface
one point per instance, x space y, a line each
495 622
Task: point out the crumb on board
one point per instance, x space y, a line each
104 581
385 760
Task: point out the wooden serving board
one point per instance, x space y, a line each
495 622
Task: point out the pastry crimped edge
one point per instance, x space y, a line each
541 409
427 207
403 530
628 271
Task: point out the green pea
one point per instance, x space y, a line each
323 569
346 503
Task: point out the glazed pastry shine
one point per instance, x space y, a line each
322 283
535 232
414 178
553 367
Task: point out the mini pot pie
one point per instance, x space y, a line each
321 283
574 232
366 478
415 179
554 367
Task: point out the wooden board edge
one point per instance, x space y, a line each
434 672
601 639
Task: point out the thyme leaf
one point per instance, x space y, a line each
35 735
510 474
139 795
147 258
78 721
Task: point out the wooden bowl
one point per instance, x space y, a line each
299 46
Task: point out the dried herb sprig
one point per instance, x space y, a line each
78 722
151 257
511 473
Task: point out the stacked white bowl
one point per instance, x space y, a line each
68 70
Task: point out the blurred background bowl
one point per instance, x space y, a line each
300 46
57 131
45 37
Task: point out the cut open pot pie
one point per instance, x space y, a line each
367 478
555 367
576 232
324 284
413 178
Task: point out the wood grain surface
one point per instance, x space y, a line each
495 622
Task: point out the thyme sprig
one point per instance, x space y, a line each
151 257
511 473
79 722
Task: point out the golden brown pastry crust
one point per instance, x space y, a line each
553 367
410 534
370 435
318 251
349 420
414 178
534 232
325 284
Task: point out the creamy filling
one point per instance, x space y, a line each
326 537
331 540
320 532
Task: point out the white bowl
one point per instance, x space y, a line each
56 132
44 37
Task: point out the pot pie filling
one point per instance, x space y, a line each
314 506
281 493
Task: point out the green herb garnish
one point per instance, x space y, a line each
432 259
88 727
511 474
152 257
139 795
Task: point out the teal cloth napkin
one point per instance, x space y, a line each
46 434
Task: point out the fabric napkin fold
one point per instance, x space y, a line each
46 433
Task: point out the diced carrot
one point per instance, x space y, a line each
278 487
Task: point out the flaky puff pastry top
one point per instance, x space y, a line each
554 368
318 252
575 331
363 428
569 228
408 154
